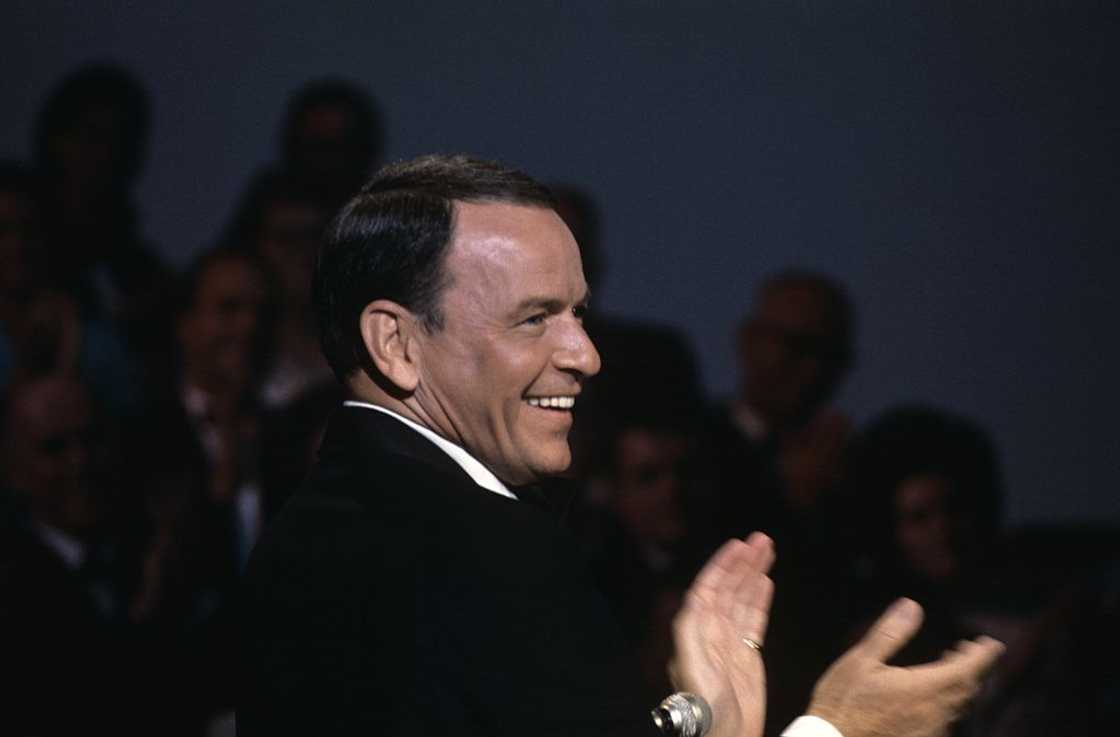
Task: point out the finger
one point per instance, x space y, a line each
756 554
752 607
764 550
892 630
969 661
711 577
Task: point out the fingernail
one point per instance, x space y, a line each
907 609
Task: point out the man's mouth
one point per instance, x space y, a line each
562 403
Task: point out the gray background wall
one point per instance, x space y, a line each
954 166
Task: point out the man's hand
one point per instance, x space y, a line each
863 697
728 601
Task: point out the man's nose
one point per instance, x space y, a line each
578 353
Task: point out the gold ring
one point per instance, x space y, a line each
752 644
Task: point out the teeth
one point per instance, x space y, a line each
552 402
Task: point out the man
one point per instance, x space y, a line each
777 456
64 572
418 585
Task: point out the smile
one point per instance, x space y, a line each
552 402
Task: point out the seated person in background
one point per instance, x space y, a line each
70 657
42 329
636 526
783 451
282 226
933 499
932 495
778 456
90 142
419 585
197 456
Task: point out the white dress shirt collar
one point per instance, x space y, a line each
478 472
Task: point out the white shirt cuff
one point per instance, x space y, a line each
808 726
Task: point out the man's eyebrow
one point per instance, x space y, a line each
549 304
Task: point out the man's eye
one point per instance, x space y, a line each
537 319
580 311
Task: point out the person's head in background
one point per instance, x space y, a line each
91 139
283 224
934 481
795 348
222 326
645 474
52 455
331 138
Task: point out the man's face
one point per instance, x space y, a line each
288 239
220 333
790 353
649 482
50 455
501 376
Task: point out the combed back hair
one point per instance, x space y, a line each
391 241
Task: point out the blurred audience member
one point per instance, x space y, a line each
636 525
41 328
332 139
197 454
784 449
329 143
778 455
90 142
64 577
932 483
282 226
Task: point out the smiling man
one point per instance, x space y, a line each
418 584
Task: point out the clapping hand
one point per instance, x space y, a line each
718 633
863 697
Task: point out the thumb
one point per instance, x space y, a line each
892 630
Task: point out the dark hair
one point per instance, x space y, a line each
390 242
913 440
92 85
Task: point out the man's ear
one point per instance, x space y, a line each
387 331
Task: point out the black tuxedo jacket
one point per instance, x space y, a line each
394 596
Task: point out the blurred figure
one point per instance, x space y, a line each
65 577
90 141
931 487
329 143
795 347
197 455
42 330
282 226
332 139
637 529
779 456
935 485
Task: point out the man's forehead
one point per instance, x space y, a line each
510 240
